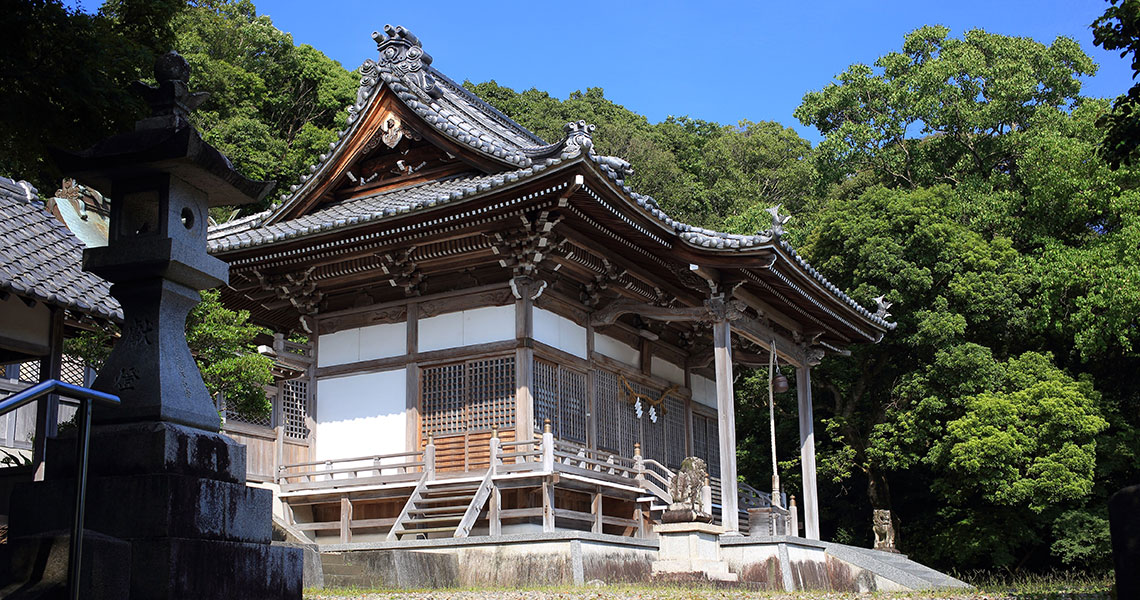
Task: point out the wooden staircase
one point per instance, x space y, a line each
442 508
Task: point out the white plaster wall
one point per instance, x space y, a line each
338 348
616 350
24 324
667 370
467 327
704 390
361 415
558 331
362 343
383 341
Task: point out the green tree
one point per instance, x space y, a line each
1119 29
274 107
66 75
941 111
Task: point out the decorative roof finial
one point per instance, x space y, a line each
883 306
403 53
579 138
777 221
171 98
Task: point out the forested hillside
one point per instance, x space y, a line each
961 175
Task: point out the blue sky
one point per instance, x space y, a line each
720 61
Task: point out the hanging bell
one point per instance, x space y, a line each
779 383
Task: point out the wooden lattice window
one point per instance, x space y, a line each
560 395
706 442
491 393
675 431
468 396
607 411
295 409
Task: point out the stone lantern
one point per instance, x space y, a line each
162 178
168 512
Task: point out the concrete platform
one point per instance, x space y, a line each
785 563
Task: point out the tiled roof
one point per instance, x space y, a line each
406 70
246 232
40 258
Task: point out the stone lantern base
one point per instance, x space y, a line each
177 497
691 548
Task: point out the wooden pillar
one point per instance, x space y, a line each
807 453
725 404
345 520
412 381
47 408
524 369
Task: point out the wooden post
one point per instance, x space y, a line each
495 449
412 380
547 447
47 408
807 453
524 370
793 517
638 462
345 520
547 505
725 404
596 509
429 458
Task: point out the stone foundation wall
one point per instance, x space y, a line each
525 560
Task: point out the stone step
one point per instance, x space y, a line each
332 559
346 570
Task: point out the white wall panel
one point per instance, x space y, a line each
338 348
667 370
616 350
359 415
488 324
467 327
442 331
558 331
704 390
383 341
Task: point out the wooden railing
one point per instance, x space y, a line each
362 470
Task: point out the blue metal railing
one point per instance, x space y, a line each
87 397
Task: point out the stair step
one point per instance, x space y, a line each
450 519
439 510
438 493
442 499
427 530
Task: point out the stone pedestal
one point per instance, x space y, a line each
691 548
176 499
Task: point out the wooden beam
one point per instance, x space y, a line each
47 408
609 314
756 331
767 310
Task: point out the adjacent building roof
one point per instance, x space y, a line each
40 258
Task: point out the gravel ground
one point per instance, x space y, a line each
602 593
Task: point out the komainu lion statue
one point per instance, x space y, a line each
687 488
884 530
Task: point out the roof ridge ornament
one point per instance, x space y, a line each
171 100
403 53
883 305
778 221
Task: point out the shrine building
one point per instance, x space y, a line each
502 336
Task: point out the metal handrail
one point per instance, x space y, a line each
86 397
